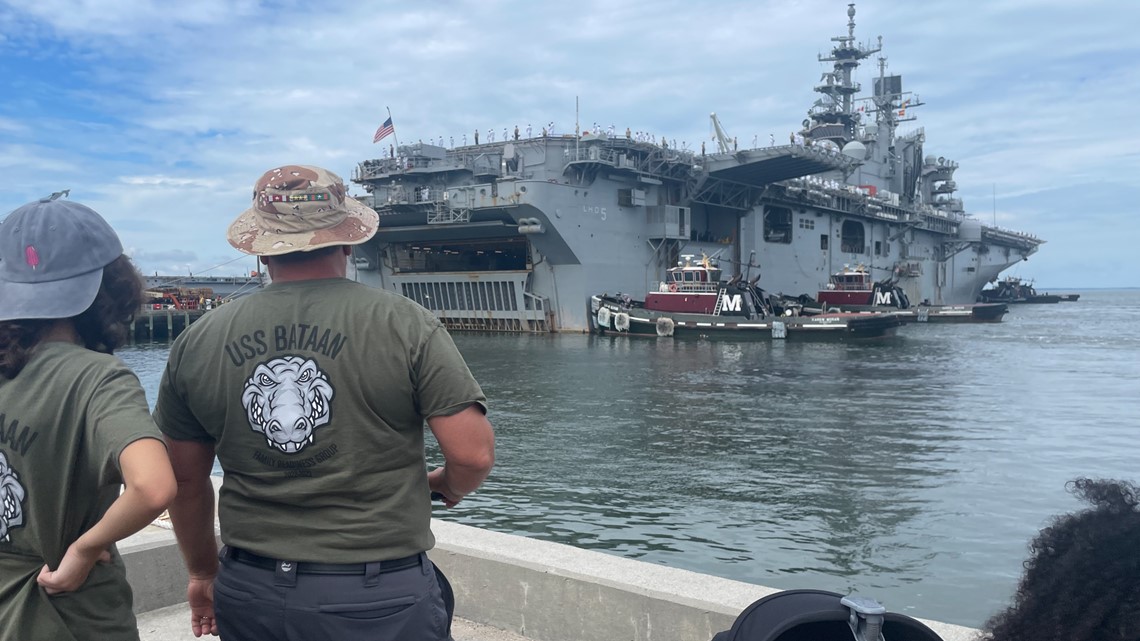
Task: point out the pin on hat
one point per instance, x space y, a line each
52 255
299 208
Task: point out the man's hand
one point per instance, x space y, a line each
200 596
438 483
72 571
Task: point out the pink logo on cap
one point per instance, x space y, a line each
32 256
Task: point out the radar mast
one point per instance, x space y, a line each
833 117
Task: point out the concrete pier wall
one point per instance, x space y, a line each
541 590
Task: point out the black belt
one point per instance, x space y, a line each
309 567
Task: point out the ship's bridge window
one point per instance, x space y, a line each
778 225
853 238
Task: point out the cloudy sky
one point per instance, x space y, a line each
160 115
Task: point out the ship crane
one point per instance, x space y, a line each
723 142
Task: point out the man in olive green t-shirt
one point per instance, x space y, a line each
312 394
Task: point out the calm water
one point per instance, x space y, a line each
915 471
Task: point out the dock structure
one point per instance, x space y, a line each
163 324
508 588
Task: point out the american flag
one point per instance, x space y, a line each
384 130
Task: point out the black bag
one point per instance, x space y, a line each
817 615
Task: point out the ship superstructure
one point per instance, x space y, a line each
904 221
516 235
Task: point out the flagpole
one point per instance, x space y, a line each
577 131
394 136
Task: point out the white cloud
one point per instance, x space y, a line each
10 124
1029 96
168 181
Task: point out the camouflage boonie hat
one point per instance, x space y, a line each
298 208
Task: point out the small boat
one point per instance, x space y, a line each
1013 290
694 301
852 289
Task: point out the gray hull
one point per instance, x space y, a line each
517 235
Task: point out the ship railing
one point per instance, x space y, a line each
592 153
697 287
640 157
1011 232
625 146
373 169
410 194
444 215
918 133
382 168
848 287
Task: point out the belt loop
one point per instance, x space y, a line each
425 565
372 574
285 573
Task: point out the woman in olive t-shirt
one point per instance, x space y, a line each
74 428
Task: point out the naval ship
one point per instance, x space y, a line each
516 235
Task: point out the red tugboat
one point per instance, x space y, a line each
694 301
852 289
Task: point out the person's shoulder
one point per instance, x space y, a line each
61 357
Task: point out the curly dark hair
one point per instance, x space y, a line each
103 326
1082 579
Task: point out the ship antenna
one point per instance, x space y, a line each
577 132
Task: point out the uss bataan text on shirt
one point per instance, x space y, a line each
286 338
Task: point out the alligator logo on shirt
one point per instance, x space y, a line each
287 399
12 498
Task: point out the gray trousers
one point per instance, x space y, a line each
260 604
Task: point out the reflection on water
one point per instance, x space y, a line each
914 471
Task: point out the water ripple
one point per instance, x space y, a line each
914 471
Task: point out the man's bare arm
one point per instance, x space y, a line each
192 512
468 445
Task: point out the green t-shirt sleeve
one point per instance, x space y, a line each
444 384
118 416
171 411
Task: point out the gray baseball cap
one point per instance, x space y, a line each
52 255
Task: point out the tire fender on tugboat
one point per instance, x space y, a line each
665 326
604 317
621 322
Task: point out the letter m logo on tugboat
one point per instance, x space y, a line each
732 303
